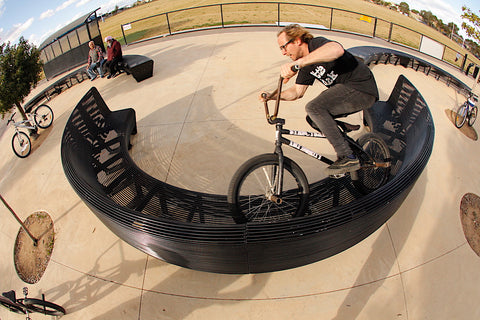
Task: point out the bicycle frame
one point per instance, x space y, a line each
280 140
23 123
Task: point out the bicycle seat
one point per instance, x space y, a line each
10 295
346 127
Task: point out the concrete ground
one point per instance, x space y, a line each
198 120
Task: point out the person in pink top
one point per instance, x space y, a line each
114 56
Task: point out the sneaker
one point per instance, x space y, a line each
343 165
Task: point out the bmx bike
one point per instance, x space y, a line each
467 112
272 187
28 305
41 117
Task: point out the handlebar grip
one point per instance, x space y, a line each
295 68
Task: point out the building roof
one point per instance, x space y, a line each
63 31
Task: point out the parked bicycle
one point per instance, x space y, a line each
467 112
28 305
41 117
271 187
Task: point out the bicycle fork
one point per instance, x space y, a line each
276 188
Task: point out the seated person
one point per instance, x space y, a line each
114 56
95 60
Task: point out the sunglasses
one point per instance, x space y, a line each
285 45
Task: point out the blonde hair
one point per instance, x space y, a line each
294 31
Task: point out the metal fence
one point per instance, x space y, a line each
279 14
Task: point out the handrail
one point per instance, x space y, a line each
464 60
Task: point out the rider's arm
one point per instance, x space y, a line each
330 51
294 92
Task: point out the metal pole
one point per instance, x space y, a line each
221 15
124 38
35 241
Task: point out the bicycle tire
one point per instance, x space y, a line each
473 116
370 178
461 116
43 116
11 306
21 144
252 184
42 306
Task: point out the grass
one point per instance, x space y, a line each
265 12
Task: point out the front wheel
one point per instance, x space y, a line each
253 196
374 170
461 116
43 116
42 306
21 144
473 116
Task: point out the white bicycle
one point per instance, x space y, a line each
41 117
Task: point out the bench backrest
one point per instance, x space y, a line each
400 120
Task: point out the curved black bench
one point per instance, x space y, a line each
57 87
140 67
196 230
372 55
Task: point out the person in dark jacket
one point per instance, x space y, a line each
114 56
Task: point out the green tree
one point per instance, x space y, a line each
428 17
20 69
404 7
472 28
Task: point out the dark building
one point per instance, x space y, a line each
68 47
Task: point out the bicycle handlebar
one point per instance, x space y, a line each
278 91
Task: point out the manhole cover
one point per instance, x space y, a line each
470 218
30 260
466 129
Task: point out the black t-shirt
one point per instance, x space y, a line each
346 69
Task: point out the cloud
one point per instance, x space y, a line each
2 7
82 2
441 9
65 5
47 14
13 34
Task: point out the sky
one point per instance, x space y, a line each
35 20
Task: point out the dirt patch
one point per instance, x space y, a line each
466 129
30 260
470 218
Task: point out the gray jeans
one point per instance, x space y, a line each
331 103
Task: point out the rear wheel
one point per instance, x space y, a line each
43 116
473 116
252 193
371 177
461 116
42 306
21 144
